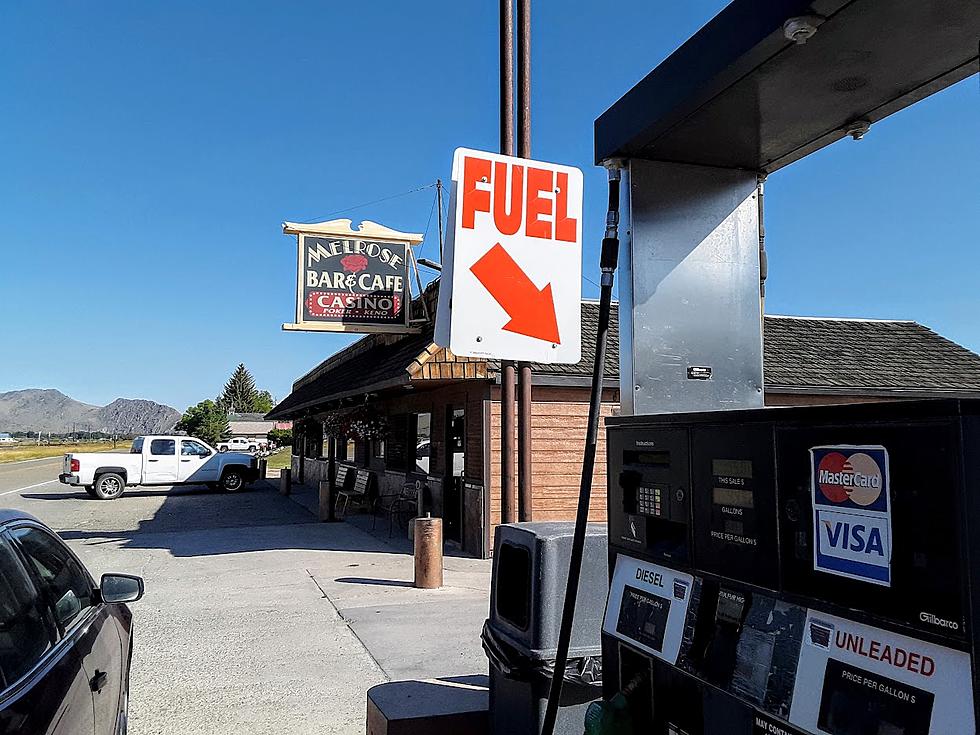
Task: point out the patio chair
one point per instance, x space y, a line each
394 506
358 492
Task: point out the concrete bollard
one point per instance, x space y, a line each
285 481
327 504
428 552
263 468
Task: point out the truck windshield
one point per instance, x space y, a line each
137 447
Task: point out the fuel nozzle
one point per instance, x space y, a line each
612 716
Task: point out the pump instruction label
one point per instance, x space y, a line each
647 607
852 528
764 724
853 678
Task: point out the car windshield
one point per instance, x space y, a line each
137 447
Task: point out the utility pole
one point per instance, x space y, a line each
524 469
439 204
508 375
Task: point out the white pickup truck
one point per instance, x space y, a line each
158 460
239 444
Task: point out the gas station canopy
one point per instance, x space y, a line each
767 82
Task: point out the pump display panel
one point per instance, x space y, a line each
822 558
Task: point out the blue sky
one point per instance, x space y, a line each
150 151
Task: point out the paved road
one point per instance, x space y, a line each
233 635
257 619
17 476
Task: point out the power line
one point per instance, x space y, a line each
368 204
427 223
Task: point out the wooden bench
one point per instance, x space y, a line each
358 492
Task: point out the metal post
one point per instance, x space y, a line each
439 204
524 467
302 455
428 553
508 374
332 477
285 481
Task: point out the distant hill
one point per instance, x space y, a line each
37 409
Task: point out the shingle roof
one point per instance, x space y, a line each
801 353
373 360
583 368
805 352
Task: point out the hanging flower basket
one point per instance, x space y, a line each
362 422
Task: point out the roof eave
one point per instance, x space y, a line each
874 391
296 411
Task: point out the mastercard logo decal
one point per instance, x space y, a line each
856 477
852 528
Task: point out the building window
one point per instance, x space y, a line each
379 448
396 442
423 442
350 450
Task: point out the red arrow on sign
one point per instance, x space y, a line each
531 312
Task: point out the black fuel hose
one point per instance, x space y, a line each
608 260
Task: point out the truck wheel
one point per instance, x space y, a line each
90 490
222 449
109 486
232 481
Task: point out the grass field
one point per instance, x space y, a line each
19 452
281 459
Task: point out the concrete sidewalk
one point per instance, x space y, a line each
410 633
259 619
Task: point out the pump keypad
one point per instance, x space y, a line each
649 500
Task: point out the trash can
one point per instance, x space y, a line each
520 638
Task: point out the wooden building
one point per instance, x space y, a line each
402 408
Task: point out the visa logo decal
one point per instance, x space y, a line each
853 545
854 537
849 488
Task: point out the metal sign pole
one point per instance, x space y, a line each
508 376
524 469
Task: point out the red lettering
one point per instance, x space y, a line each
507 222
886 655
565 227
538 181
928 666
911 661
475 200
875 647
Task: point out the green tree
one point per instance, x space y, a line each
282 437
206 421
264 402
240 394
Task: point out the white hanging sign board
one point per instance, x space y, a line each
511 284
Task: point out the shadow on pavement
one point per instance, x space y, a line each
130 494
201 522
375 582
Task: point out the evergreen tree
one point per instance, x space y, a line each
240 394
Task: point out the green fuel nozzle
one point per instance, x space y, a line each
609 717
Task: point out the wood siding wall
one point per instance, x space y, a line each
558 419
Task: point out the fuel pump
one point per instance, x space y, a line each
805 570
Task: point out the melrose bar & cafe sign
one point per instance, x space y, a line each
351 280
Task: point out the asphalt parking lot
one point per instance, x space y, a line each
257 619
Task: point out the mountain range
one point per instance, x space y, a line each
49 410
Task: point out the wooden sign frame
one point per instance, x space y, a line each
341 229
